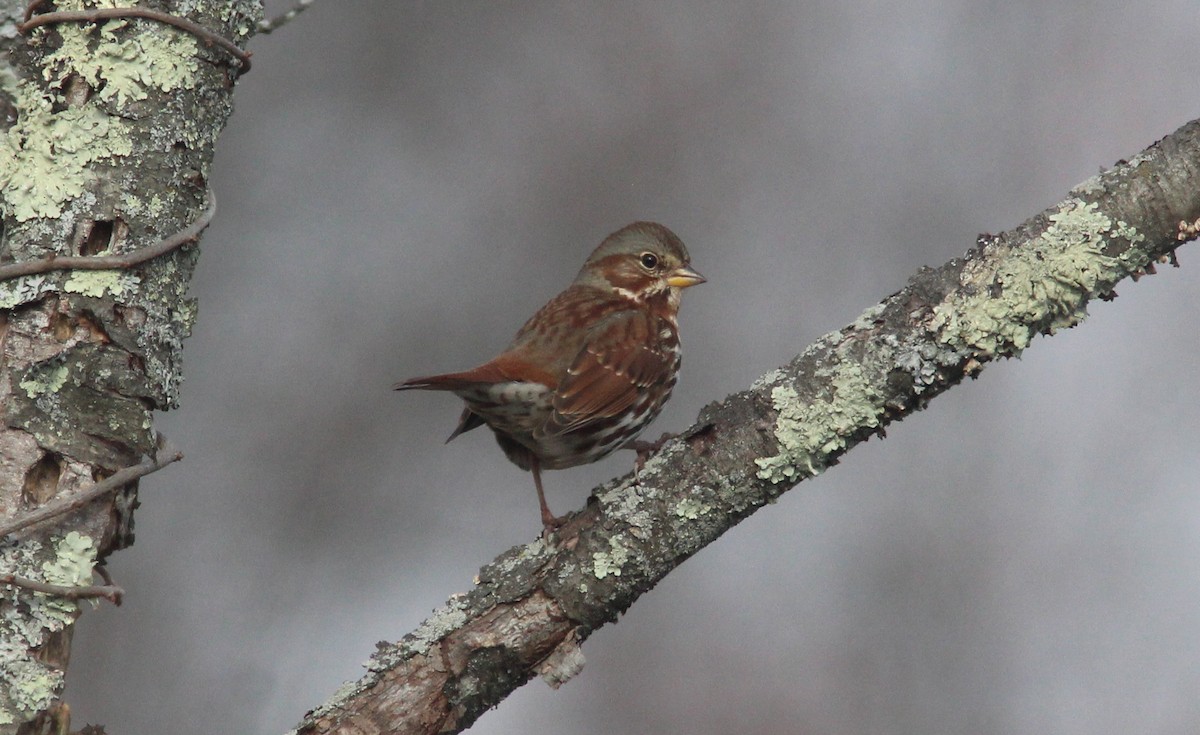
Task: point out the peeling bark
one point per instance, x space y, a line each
530 608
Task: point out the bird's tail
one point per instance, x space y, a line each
446 381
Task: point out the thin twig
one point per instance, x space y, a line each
31 8
106 262
283 19
164 455
103 572
112 593
98 14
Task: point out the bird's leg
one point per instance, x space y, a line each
549 520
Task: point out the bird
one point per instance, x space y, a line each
589 370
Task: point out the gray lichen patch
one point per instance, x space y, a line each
168 316
67 416
449 618
506 579
923 362
630 502
24 289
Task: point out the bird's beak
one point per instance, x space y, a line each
683 276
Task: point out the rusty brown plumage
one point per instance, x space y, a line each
592 368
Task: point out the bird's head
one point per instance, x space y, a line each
641 261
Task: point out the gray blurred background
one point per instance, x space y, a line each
403 183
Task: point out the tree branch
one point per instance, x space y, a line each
110 592
164 455
96 15
110 262
270 25
532 606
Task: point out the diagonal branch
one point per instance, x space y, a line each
271 25
532 606
110 592
164 455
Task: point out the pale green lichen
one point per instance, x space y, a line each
24 289
1043 285
157 205
98 283
869 318
45 158
432 629
691 509
122 65
32 689
1094 185
609 562
771 377
46 380
74 559
1132 258
809 431
28 618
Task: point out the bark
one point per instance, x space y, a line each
530 608
108 135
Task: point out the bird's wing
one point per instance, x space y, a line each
619 360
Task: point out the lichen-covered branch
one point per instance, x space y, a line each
529 609
106 141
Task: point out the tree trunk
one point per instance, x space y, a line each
110 128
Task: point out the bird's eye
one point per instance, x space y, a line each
649 261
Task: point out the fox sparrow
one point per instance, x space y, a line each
591 368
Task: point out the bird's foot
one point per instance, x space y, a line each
645 448
551 522
561 532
